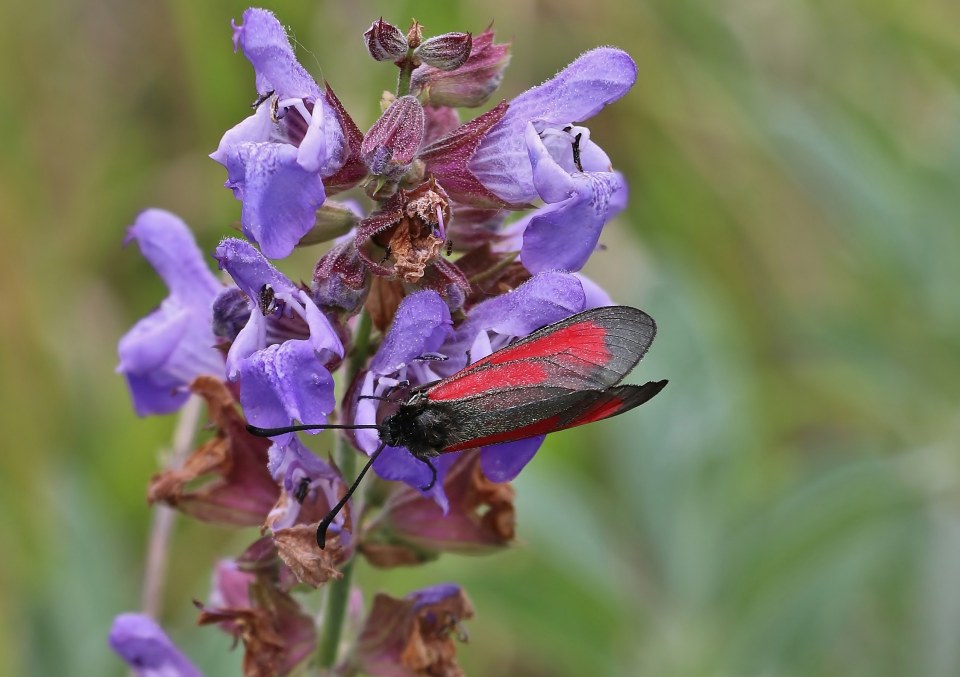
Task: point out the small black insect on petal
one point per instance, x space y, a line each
300 493
267 300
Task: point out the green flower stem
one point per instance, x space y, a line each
406 70
338 593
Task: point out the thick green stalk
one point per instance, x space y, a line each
338 593
406 70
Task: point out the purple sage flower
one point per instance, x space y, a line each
531 150
286 382
165 351
277 158
145 647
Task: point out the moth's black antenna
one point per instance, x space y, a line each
272 432
328 520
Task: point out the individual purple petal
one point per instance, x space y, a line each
399 465
503 462
145 647
322 149
283 384
280 198
264 42
420 325
165 351
577 93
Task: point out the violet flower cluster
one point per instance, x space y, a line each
456 239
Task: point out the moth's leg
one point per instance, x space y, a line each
433 471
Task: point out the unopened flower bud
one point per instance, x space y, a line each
446 52
392 143
469 85
341 281
385 42
415 34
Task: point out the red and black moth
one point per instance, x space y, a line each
561 376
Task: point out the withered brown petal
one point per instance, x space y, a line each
297 546
239 490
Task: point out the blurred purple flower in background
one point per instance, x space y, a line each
165 351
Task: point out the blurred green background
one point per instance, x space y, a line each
788 506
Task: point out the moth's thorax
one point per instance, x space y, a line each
418 426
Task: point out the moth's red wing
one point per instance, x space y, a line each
592 350
486 425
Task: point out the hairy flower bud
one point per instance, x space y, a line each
446 52
341 281
385 42
469 85
392 143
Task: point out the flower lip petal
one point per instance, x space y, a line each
562 236
280 198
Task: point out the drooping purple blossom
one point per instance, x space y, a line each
145 647
280 383
165 351
277 158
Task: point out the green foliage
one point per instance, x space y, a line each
788 506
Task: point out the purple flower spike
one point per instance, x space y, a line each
277 158
148 651
165 351
577 93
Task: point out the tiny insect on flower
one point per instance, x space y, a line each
561 376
